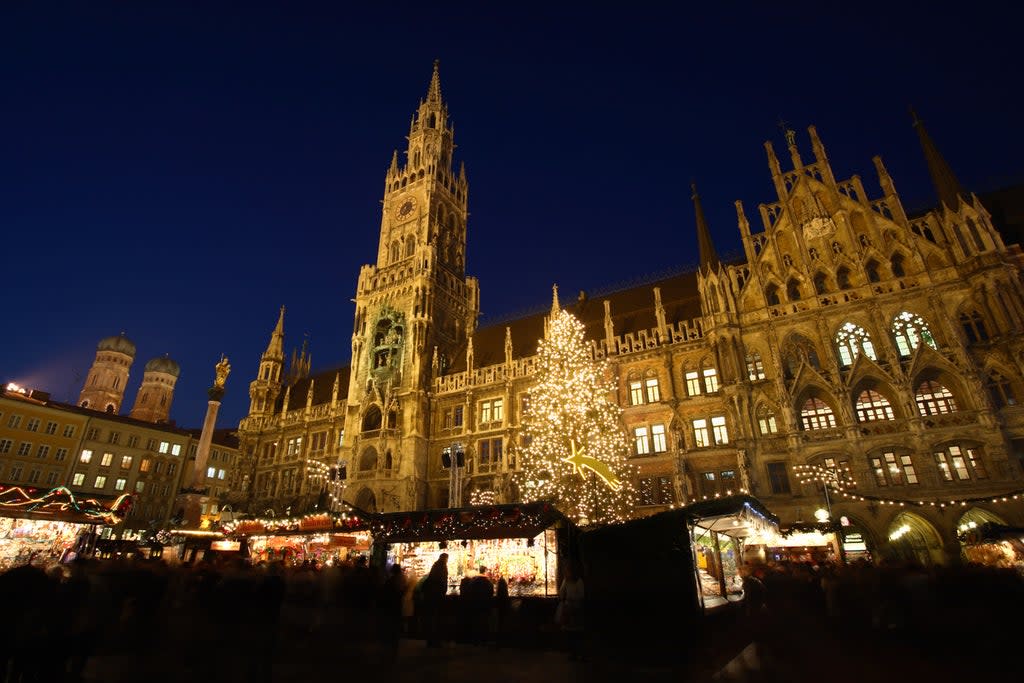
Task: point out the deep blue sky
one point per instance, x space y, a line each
178 171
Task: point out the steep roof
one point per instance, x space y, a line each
323 387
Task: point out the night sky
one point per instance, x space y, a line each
178 171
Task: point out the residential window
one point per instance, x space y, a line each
710 380
293 447
86 456
653 391
140 486
60 455
107 458
172 467
956 463
100 482
158 467
934 399
893 470
755 368
701 435
727 481
51 478
850 341
220 474
93 434
871 406
119 484
42 451
636 392
719 429
642 440
144 465
14 422
164 489
24 448
658 438
33 424
693 383
211 472
16 473
5 445
69 431
133 441
78 479
51 428
126 462
908 331
176 449
114 437
657 491
150 444
165 446
816 414
778 478
766 422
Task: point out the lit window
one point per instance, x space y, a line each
126 462
710 380
100 482
140 486
755 368
719 429
636 393
816 414
164 446
871 406
908 331
144 465
640 436
220 474
78 479
653 391
211 472
658 437
693 383
701 436
491 411
106 459
934 399
176 449
894 470
86 456
293 447
120 484
850 341
956 463
766 422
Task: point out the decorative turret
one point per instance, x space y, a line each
706 247
947 187
108 376
153 401
264 389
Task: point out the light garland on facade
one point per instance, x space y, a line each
839 481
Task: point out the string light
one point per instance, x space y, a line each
62 500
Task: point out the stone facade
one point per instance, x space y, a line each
850 336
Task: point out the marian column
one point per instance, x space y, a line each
194 492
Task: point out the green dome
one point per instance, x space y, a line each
120 343
163 364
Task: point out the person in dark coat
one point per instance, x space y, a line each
435 587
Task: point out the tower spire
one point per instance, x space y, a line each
708 255
434 90
275 349
555 307
947 187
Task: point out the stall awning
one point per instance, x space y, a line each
516 520
742 516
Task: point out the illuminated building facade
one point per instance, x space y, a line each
878 347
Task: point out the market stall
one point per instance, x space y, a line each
54 526
323 538
994 545
518 542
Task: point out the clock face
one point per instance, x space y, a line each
406 207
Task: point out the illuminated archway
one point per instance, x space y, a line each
912 538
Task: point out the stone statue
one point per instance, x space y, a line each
223 369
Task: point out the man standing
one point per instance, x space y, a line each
435 587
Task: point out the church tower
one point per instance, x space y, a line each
414 301
264 389
153 402
108 376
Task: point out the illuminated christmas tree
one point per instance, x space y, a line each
575 450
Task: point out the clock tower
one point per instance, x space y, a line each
414 306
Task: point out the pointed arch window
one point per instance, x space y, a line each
820 285
934 399
771 295
755 368
896 263
872 406
410 246
394 252
973 325
871 267
851 340
816 414
1001 390
793 290
909 331
843 278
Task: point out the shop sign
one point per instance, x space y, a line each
315 522
226 545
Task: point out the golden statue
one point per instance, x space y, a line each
222 372
579 460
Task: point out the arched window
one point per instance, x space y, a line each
771 295
896 263
908 331
1001 390
410 246
819 283
851 340
974 326
816 414
394 252
766 421
372 419
871 406
871 267
934 399
793 290
368 460
843 278
755 368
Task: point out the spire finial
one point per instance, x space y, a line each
706 248
947 187
555 307
434 91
